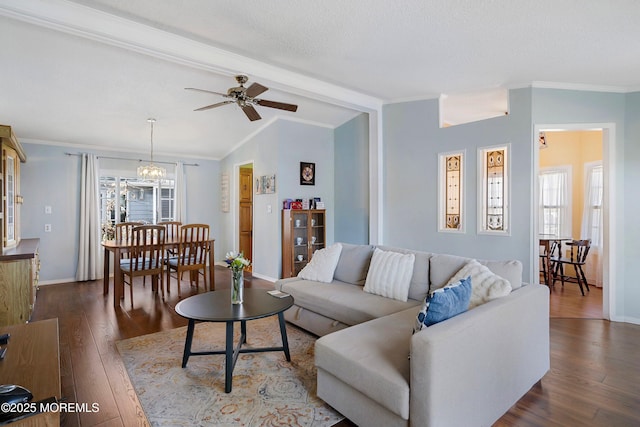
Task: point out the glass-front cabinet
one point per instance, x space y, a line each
303 233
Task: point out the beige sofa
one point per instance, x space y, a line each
466 371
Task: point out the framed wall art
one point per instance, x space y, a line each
266 184
307 173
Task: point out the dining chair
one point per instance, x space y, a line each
553 252
191 255
173 229
123 234
123 230
579 249
146 257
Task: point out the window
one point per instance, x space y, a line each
130 199
451 178
555 201
592 217
493 190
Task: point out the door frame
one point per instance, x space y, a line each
609 258
235 212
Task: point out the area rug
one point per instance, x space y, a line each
267 390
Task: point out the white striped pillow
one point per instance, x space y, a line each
390 274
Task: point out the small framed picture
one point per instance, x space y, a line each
307 173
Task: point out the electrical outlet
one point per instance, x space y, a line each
268 208
47 228
47 209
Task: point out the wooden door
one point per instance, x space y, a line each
246 212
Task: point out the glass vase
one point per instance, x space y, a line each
237 286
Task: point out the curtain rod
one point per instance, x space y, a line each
132 160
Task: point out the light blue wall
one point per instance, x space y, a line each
412 142
631 231
352 181
278 150
551 106
51 178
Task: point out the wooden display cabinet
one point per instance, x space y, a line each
19 273
303 233
12 155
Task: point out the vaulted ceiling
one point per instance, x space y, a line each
90 72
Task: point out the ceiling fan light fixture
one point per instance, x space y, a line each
151 171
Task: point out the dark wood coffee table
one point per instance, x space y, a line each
216 307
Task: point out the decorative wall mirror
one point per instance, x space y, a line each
451 192
493 190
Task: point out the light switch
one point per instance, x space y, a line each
47 228
268 208
47 209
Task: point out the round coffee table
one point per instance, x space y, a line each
216 306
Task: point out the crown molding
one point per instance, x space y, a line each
108 149
579 87
76 19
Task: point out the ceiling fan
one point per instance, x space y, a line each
245 97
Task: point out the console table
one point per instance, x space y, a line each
33 361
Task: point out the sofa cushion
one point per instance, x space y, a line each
353 264
419 287
389 274
341 301
372 358
444 303
322 264
442 268
485 284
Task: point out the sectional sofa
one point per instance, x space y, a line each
375 369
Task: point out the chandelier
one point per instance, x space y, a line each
151 171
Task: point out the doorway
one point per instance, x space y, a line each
245 211
573 155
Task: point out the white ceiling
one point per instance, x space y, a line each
72 75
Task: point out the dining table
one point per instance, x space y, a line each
118 247
545 241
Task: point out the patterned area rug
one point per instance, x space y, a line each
267 390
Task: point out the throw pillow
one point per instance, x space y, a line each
444 303
390 274
486 285
322 265
353 264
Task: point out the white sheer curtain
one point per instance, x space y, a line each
180 213
554 205
89 253
592 221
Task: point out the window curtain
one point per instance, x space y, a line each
593 224
180 213
89 259
554 195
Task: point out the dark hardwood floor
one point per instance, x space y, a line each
594 378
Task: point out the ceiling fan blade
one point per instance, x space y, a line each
251 112
209 107
278 105
255 89
206 91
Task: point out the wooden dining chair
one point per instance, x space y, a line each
146 257
579 249
191 255
123 229
173 229
553 252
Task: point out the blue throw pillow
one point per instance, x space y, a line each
444 303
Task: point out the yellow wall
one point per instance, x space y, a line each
575 148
